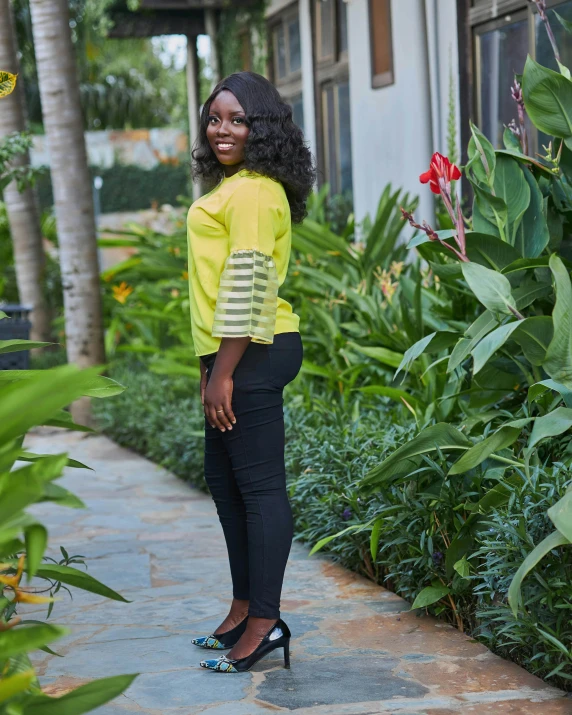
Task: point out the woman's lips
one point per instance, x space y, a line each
224 147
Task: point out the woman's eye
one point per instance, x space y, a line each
240 120
212 119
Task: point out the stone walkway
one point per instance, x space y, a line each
356 650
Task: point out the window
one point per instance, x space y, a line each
287 56
286 60
500 50
381 43
332 79
337 137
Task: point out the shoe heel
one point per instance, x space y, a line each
287 654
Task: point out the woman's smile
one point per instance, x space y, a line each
227 130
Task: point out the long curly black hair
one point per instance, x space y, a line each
275 146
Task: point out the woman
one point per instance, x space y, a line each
248 340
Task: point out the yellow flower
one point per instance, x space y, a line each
185 275
13 581
25 597
175 293
122 292
396 268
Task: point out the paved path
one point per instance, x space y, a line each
356 650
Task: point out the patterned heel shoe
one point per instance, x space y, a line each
277 637
224 640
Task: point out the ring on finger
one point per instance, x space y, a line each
220 410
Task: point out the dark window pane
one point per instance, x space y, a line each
345 148
325 16
294 45
544 53
503 54
298 111
343 25
280 52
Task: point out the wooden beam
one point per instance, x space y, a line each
194 4
152 23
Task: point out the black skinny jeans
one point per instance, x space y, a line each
245 472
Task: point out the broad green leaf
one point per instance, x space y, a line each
540 388
550 425
413 353
511 141
14 346
15 684
482 158
561 515
310 368
22 487
558 361
566 24
529 291
395 393
79 579
29 457
7 83
476 332
502 438
462 567
492 342
439 436
383 355
511 186
56 493
547 99
552 541
36 542
534 335
34 401
490 287
532 234
22 639
429 595
489 251
326 540
81 700
490 213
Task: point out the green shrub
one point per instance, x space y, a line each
128 187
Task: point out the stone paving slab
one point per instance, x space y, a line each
356 648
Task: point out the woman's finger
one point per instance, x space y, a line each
215 416
229 414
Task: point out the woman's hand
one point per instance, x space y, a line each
217 397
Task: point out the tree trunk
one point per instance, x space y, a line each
21 207
73 196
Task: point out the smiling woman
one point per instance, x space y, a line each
248 339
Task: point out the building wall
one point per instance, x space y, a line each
142 147
391 126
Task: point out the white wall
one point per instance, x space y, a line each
391 126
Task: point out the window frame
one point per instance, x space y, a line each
387 78
481 19
282 19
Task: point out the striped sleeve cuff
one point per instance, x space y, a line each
247 297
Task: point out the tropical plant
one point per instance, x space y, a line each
27 399
18 194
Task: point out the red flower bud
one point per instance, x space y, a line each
440 169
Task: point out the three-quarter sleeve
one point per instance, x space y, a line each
248 290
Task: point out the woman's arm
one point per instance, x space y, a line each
218 393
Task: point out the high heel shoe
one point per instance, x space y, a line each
277 637
222 640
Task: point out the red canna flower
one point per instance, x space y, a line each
441 172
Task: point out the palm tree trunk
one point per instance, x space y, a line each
73 197
21 207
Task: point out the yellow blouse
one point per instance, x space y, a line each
239 238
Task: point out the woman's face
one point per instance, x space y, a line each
227 131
